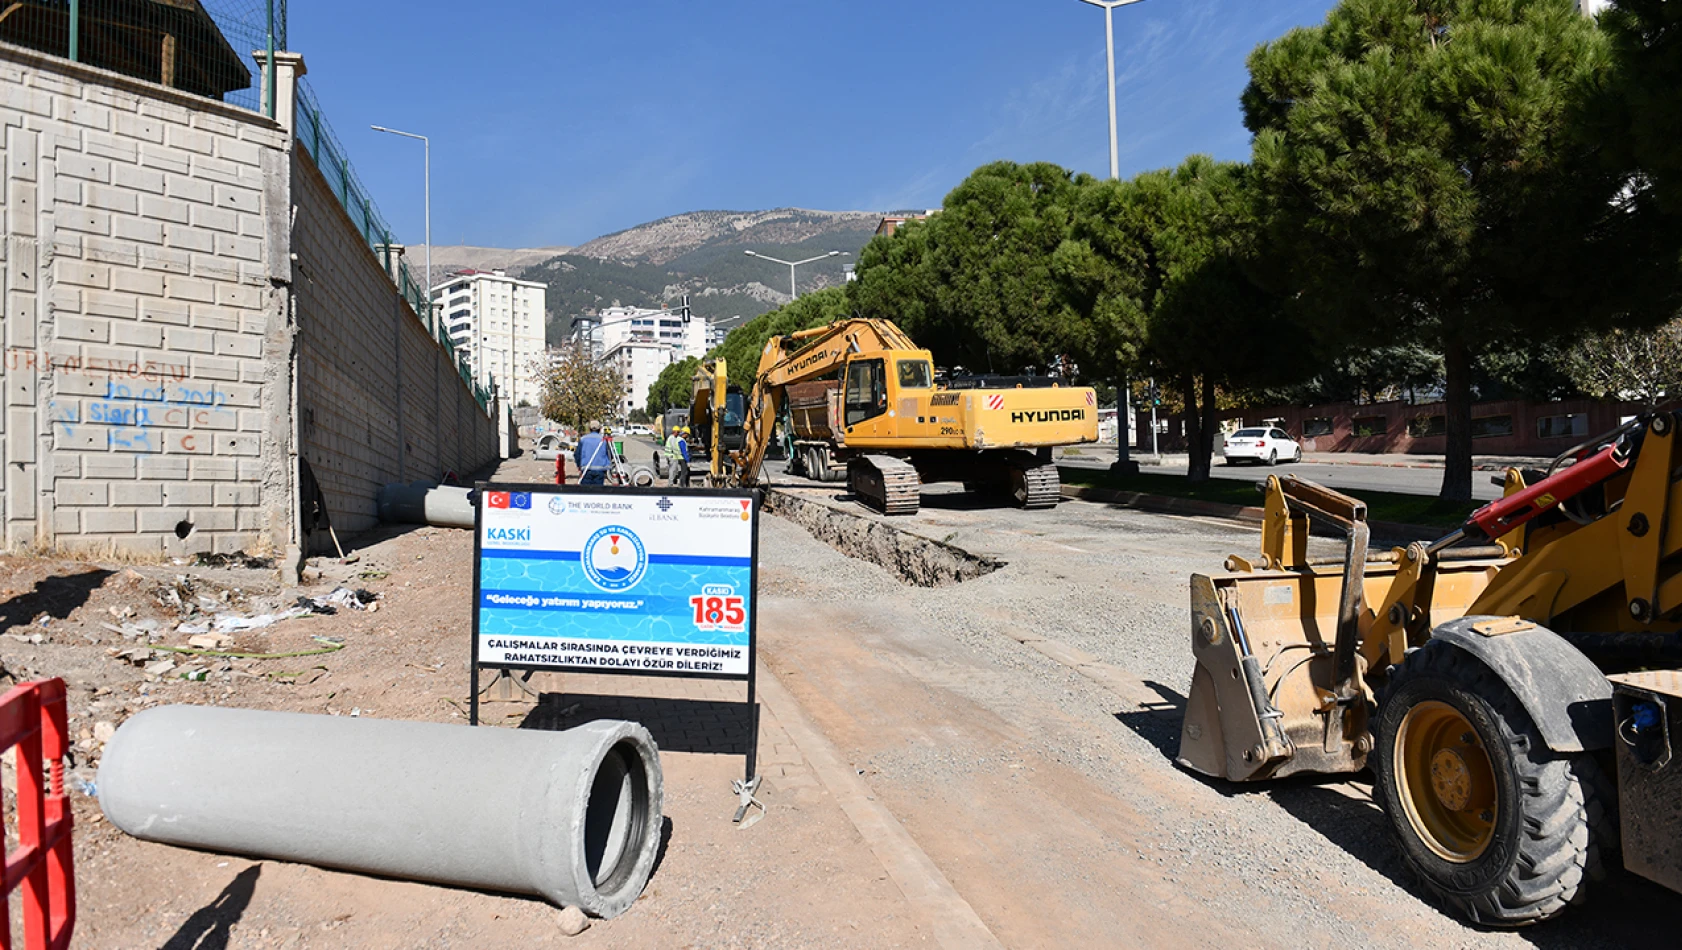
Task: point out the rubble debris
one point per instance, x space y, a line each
572 922
236 559
160 668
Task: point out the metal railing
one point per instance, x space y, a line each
315 135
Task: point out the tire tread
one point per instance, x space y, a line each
1567 810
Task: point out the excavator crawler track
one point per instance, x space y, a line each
887 484
1039 487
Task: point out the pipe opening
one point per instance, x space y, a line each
616 819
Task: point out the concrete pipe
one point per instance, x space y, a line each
572 816
445 506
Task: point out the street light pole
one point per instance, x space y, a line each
793 264
1109 52
1124 463
426 144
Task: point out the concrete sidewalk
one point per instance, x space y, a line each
1481 463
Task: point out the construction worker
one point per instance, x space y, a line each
594 456
674 456
680 461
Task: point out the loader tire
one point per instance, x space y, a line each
1498 826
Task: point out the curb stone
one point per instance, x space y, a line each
1168 504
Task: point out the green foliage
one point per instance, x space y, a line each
1628 364
975 283
576 389
746 344
1642 118
1422 184
672 389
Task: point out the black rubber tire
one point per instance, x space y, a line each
1555 811
1272 457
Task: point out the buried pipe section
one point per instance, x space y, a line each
443 506
571 816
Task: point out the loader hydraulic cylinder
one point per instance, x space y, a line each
1501 516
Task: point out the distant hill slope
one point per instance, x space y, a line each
701 253
453 257
659 242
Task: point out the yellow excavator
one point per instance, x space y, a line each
1514 686
869 404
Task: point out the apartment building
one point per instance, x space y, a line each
499 322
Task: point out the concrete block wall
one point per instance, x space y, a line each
166 362
380 400
137 302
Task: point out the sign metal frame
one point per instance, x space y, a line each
755 499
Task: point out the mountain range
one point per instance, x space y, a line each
699 253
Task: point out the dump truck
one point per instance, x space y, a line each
1513 687
863 399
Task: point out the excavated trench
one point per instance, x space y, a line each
916 560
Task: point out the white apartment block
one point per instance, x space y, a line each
499 322
641 343
1591 7
640 363
621 325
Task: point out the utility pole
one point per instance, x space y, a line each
1124 464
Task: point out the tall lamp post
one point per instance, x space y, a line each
791 265
1124 458
427 146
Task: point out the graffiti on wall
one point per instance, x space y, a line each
138 406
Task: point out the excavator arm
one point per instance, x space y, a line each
797 357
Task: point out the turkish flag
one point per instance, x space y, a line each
498 499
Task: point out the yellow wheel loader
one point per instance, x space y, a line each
867 402
1513 686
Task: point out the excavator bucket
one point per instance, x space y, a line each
1283 643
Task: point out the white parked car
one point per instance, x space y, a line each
1261 444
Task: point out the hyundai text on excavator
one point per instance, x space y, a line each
865 399
1514 686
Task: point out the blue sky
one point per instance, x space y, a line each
555 122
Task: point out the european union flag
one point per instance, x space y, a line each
520 499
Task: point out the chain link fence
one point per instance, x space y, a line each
205 47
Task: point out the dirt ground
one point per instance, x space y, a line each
1016 729
717 885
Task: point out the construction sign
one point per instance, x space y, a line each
615 580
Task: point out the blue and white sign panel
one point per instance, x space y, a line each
616 581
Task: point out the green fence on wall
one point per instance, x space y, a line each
316 137
216 49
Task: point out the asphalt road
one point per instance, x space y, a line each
1344 477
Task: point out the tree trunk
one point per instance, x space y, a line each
1206 433
1457 457
1197 464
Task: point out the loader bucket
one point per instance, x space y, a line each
1285 649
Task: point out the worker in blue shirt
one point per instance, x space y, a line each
593 456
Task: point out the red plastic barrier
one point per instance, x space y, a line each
32 718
